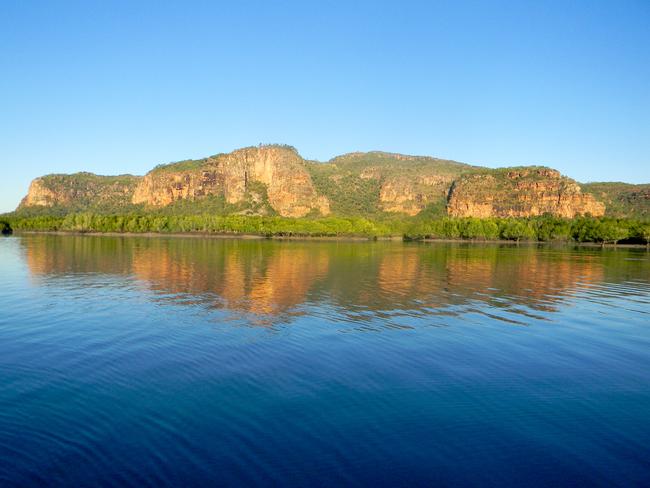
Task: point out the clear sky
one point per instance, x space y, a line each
115 87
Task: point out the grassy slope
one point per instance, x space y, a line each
622 199
340 179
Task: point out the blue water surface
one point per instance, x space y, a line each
129 361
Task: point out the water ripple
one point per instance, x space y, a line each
155 362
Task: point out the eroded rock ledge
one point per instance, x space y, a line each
519 192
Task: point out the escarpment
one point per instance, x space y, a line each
279 172
411 195
275 179
80 190
520 192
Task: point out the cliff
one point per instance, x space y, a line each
276 174
275 179
520 192
80 191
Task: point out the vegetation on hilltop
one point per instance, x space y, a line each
502 178
85 177
83 191
179 166
82 180
348 193
358 161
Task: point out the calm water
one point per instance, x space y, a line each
188 361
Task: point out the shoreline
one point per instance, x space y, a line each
213 235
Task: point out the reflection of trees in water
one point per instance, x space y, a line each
54 255
271 277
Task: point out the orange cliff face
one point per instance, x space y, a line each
520 192
42 196
409 195
281 170
240 278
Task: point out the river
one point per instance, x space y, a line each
131 361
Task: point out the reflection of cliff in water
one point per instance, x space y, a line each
244 275
271 277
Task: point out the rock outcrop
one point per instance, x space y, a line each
80 190
410 195
519 192
280 169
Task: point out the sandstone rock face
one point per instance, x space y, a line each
80 190
519 192
409 195
160 188
40 195
289 187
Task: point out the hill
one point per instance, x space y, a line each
269 180
62 193
622 199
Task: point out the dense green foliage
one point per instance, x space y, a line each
81 180
232 224
5 228
541 229
178 166
347 192
391 163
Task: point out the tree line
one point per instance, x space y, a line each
214 224
540 229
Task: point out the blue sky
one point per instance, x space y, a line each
117 87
